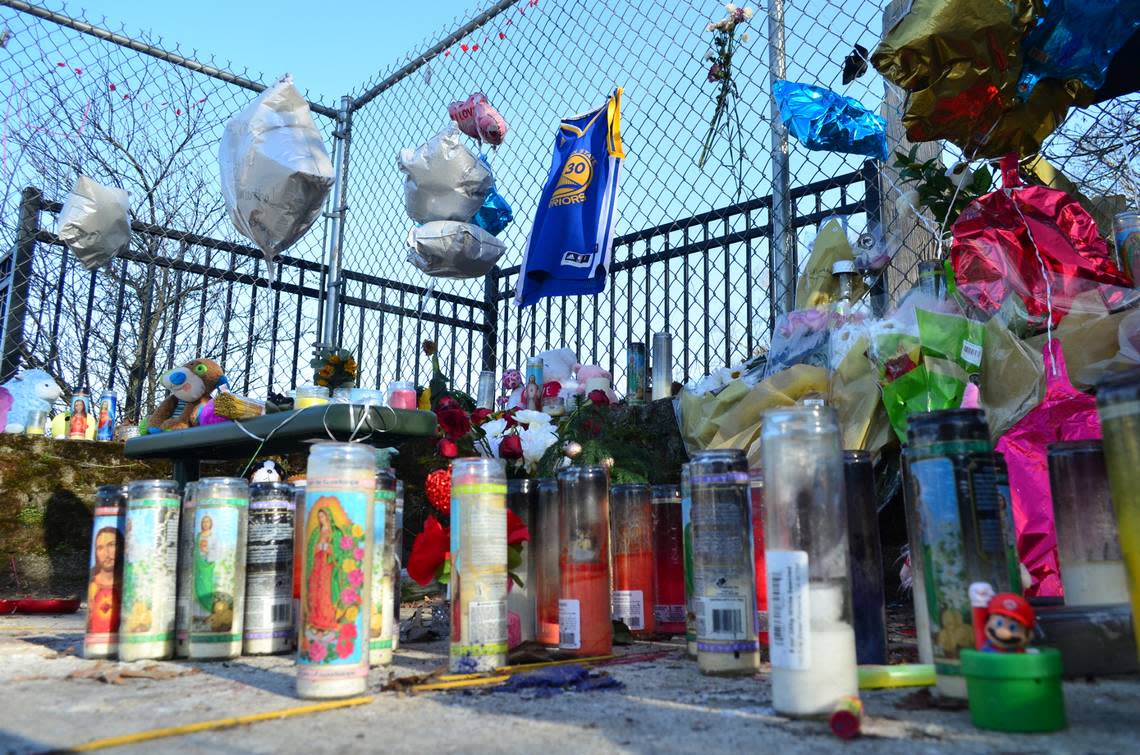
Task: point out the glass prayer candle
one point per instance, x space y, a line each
584 625
631 548
105 580
756 501
336 594
809 584
268 624
397 561
544 542
668 560
662 365
217 600
402 394
486 393
299 487
37 421
916 567
185 571
635 373
478 565
1126 233
1092 569
150 565
1118 403
1005 503
870 610
724 576
310 395
952 487
687 543
380 622
532 388
522 499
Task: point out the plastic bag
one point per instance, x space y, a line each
95 222
816 285
447 249
801 337
443 180
274 169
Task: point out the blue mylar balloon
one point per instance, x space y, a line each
1076 39
495 214
823 119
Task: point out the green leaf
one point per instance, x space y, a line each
982 180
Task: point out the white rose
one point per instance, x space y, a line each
494 428
531 417
535 440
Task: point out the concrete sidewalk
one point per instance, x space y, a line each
52 699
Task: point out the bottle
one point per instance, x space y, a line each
268 626
1118 404
668 560
724 576
544 541
522 499
381 621
105 573
478 565
146 623
962 536
332 652
844 273
662 366
870 612
631 547
584 600
809 590
217 596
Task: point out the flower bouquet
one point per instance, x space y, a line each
333 368
725 117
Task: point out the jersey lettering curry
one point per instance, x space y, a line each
570 244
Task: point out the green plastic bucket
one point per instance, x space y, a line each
1015 692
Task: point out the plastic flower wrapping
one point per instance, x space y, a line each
1064 414
1036 244
824 120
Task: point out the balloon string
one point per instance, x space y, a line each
1045 277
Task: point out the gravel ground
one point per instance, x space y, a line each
52 699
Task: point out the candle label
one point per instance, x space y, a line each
669 613
723 574
789 609
217 598
150 566
628 606
569 625
479 575
334 611
105 579
385 500
269 571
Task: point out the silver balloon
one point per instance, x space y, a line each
447 249
95 222
443 180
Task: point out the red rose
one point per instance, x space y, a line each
437 487
509 416
598 397
453 421
551 389
510 448
429 551
479 416
447 448
517 531
445 403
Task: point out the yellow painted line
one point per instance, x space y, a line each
526 667
217 723
484 681
30 630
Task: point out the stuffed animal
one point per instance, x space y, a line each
34 390
190 387
588 372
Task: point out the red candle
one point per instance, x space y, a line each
584 610
631 521
757 487
584 588
669 560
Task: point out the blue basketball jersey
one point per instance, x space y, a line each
570 244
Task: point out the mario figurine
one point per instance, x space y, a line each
1008 624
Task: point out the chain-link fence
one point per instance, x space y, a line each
693 255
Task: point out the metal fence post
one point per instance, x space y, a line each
330 311
19 283
783 240
491 317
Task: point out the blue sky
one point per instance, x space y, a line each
330 48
